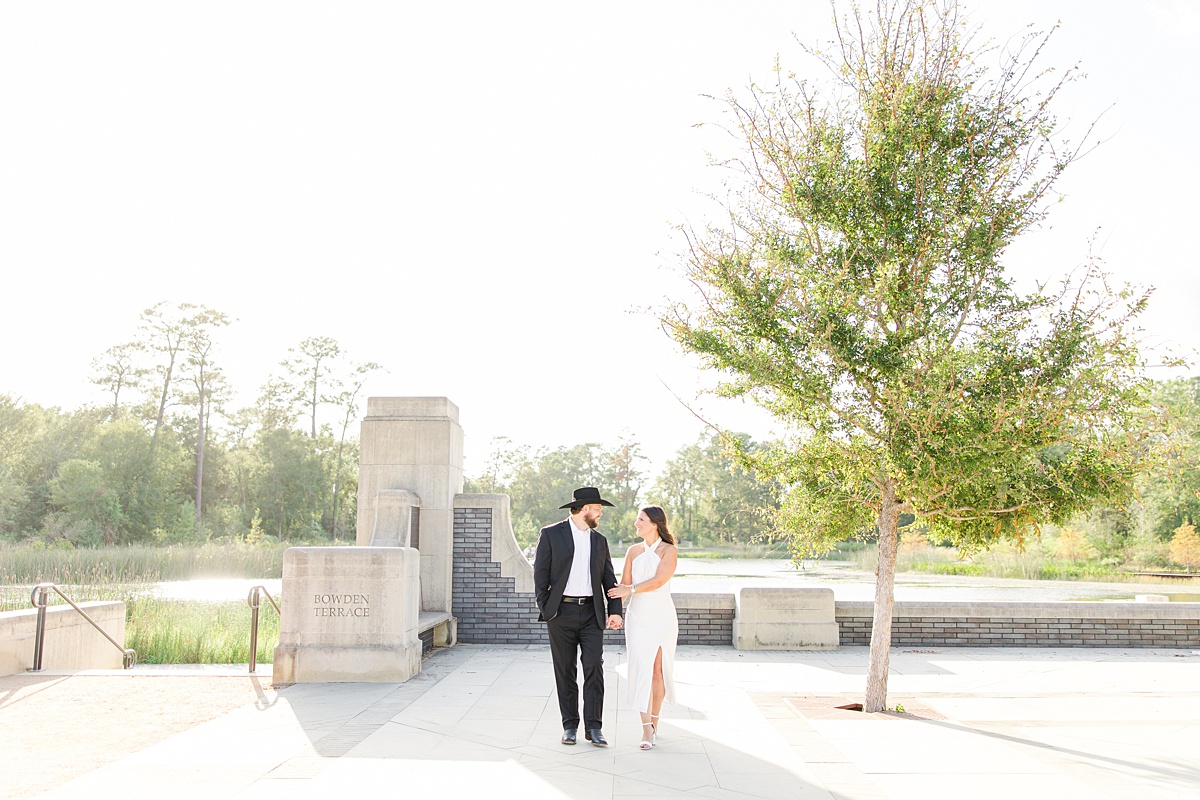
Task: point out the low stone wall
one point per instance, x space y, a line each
70 643
1017 624
493 602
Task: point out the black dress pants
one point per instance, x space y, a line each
575 634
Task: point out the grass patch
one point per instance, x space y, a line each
179 632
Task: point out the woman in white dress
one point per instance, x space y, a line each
651 626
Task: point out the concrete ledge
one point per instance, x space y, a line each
393 519
697 600
785 619
411 408
71 642
443 625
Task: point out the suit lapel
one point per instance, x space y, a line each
568 544
597 565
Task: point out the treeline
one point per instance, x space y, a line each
168 459
708 498
1166 500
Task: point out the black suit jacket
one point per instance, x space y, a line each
552 565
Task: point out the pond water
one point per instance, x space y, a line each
847 583
216 590
728 575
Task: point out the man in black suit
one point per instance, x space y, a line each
572 573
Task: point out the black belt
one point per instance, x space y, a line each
577 600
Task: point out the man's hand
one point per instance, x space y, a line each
615 621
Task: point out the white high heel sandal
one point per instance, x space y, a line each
647 742
655 724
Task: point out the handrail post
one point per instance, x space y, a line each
39 599
254 601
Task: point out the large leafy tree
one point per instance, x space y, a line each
858 293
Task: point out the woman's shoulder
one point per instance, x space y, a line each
635 549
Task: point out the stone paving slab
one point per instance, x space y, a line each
482 721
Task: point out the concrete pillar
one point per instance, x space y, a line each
414 444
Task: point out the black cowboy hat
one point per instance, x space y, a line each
586 496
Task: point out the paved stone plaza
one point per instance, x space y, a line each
481 722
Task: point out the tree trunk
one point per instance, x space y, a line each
885 579
312 406
200 461
337 481
162 403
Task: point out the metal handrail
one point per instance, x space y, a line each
254 602
40 598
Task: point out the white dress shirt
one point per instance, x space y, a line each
579 580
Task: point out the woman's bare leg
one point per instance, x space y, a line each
658 688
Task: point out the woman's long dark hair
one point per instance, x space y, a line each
659 517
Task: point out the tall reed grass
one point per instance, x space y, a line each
29 564
1002 561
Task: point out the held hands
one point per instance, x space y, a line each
615 621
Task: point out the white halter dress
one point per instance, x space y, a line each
650 624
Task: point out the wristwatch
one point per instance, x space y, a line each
632 589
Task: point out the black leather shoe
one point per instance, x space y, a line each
596 737
568 736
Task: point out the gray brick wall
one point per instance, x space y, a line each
488 607
706 626
1066 631
491 611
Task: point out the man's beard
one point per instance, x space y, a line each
591 521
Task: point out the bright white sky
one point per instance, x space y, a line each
480 196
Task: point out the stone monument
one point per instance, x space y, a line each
357 613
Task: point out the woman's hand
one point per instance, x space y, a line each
620 590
